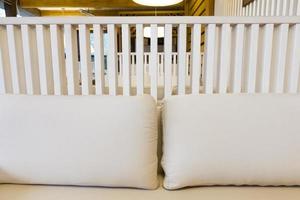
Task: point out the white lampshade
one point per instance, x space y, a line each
157 3
160 32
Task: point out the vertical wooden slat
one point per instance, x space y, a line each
267 8
279 8
241 8
258 7
72 67
298 8
16 59
279 58
181 58
273 7
112 59
254 8
293 64
209 60
247 11
99 59
244 11
250 79
153 60
85 59
291 7
250 9
140 59
2 75
58 56
224 58
238 49
284 8
263 8
126 59
44 60
266 57
5 71
196 58
30 60
168 60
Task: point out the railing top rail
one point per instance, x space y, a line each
150 20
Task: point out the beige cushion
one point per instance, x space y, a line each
79 140
28 192
231 139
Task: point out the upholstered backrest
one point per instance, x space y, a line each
231 140
79 140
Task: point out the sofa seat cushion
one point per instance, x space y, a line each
38 192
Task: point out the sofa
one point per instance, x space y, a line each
211 147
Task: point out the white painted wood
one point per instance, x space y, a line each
284 7
258 7
85 59
148 20
262 8
140 59
209 59
112 59
279 58
5 71
30 59
293 60
2 75
273 7
254 8
44 60
72 68
247 11
298 8
99 59
16 59
239 8
238 53
223 67
235 8
250 13
126 50
196 58
250 79
291 7
153 61
168 60
58 57
181 58
279 8
266 57
267 8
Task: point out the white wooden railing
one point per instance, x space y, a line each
241 55
257 8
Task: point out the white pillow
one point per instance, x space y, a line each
79 140
231 140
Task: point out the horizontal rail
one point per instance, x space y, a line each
149 20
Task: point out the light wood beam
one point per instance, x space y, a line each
84 4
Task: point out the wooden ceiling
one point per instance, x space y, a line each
98 8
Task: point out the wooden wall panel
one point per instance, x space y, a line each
199 7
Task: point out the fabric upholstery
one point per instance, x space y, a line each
231 140
79 140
